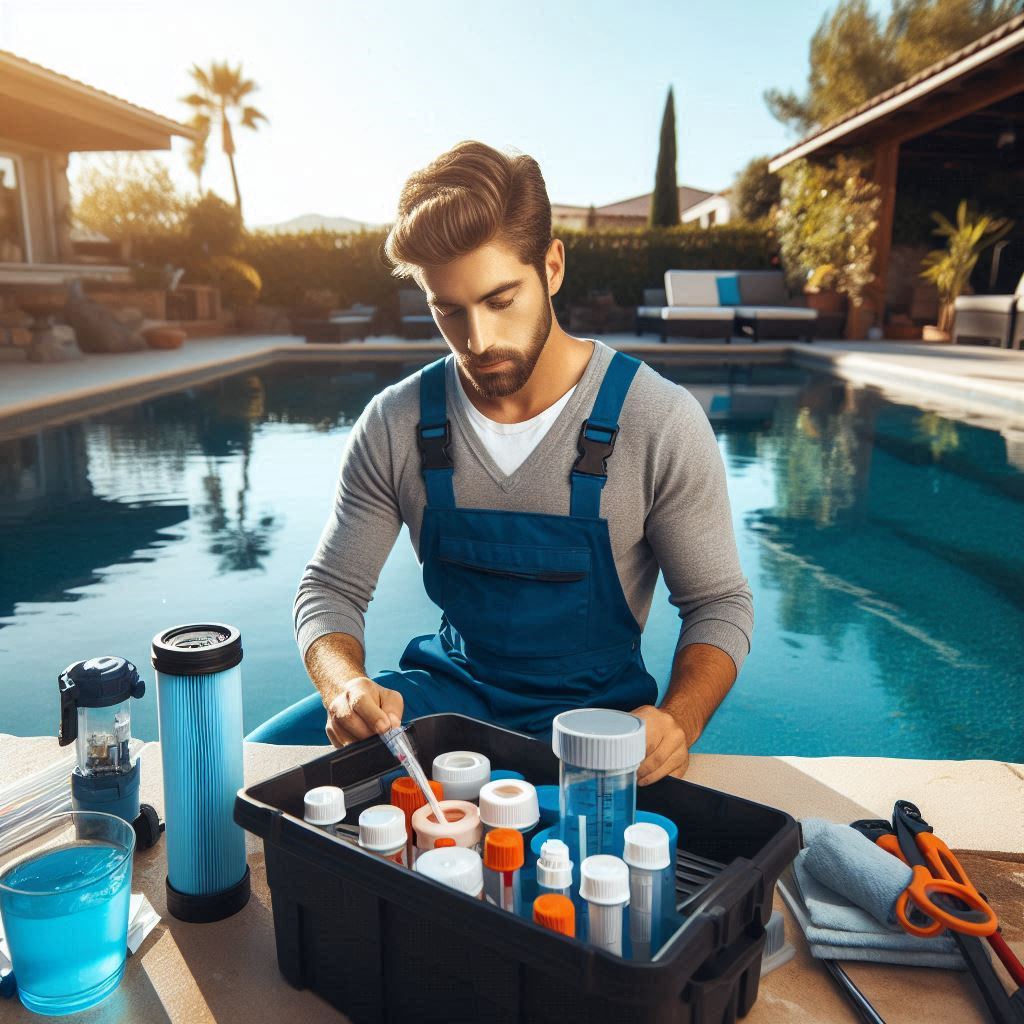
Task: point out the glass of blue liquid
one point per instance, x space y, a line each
64 903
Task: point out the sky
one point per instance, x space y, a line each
360 95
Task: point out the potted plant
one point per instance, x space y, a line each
949 269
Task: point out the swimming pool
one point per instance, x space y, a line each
883 544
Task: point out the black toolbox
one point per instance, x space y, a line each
381 943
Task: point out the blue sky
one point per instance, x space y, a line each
361 94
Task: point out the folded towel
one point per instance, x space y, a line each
848 862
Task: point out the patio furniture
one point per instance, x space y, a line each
415 319
713 303
988 319
341 325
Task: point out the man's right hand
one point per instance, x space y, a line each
362 709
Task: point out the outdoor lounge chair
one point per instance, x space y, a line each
414 315
342 324
765 310
989 319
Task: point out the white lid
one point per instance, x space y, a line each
600 739
509 803
456 866
554 868
461 766
604 879
324 805
382 827
646 847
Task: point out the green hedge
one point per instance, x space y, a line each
623 261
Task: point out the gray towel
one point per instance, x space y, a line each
848 862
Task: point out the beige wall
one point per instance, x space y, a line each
39 172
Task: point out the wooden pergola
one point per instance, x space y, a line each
956 110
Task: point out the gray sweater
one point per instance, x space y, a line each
665 501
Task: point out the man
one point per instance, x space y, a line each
544 479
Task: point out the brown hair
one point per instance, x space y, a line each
465 198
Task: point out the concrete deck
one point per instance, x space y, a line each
227 971
960 380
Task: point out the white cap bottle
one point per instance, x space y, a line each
382 831
554 868
461 773
509 803
324 807
455 866
604 884
651 886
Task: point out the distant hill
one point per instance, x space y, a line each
316 222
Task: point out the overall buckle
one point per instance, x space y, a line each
593 452
434 449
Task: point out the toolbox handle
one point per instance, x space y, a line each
725 906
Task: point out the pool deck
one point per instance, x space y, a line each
963 381
227 971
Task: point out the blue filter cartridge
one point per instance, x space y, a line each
199 702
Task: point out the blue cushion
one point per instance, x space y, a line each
728 291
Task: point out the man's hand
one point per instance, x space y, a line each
668 750
361 709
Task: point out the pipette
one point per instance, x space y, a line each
398 743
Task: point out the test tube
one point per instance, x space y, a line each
554 869
382 832
406 795
555 912
324 806
503 857
651 886
604 885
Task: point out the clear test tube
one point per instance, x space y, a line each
651 887
503 858
604 885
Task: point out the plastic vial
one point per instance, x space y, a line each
503 857
555 912
509 803
324 807
382 832
554 869
454 866
462 825
651 887
604 885
461 773
600 752
407 795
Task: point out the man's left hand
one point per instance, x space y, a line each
668 750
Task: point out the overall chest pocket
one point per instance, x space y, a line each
517 600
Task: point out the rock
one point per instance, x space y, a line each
164 337
130 316
54 344
98 328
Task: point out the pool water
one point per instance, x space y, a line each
68 949
884 545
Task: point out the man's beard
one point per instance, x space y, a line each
508 380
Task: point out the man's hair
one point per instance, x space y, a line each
465 198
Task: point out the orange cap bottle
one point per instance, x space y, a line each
503 850
407 795
556 912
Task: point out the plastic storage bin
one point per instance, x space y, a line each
383 944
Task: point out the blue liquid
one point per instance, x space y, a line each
598 808
69 946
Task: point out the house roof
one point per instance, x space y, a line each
637 206
53 111
1003 46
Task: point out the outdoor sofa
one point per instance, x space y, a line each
721 303
415 319
992 319
358 321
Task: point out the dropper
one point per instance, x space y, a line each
399 745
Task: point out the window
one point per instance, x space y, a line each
13 248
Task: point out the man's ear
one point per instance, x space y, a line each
554 264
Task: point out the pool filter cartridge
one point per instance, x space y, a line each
199 701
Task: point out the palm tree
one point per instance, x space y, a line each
197 148
222 93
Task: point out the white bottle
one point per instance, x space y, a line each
324 807
554 868
510 803
651 884
454 866
604 885
382 832
461 773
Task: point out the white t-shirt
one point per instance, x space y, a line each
509 443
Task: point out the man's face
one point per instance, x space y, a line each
495 314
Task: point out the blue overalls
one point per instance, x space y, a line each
534 620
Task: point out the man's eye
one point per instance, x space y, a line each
459 312
503 305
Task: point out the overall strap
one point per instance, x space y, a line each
433 436
597 437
